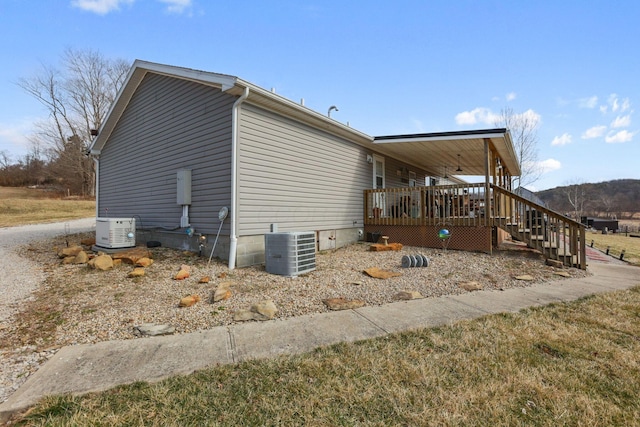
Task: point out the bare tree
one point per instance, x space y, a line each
77 100
524 133
5 159
577 197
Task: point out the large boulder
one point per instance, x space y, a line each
102 262
81 258
132 256
70 251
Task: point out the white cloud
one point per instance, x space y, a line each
530 116
548 165
511 96
101 7
618 137
621 121
176 6
563 139
477 115
590 102
615 104
594 132
13 137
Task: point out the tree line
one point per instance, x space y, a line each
618 198
76 96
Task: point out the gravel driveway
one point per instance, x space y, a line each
20 276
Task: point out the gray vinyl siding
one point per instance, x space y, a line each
297 176
169 124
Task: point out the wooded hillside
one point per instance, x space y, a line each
619 198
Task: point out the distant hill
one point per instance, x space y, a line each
619 198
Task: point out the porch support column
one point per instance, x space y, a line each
487 166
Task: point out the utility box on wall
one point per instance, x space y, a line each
184 187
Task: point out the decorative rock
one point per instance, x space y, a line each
152 330
378 247
69 260
117 262
264 310
222 275
562 273
205 279
132 256
242 315
470 286
554 263
88 242
70 251
144 262
102 262
184 272
189 301
137 272
408 295
342 303
221 293
380 274
525 277
81 258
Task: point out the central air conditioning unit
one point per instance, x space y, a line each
290 254
114 233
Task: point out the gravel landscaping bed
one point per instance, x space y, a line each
74 304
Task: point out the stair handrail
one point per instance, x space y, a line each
581 246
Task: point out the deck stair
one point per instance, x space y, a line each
554 235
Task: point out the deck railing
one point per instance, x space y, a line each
451 204
556 236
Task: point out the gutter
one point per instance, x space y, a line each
233 239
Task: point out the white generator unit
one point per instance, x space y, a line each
114 233
290 254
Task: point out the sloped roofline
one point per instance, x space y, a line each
226 83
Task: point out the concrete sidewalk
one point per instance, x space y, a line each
87 368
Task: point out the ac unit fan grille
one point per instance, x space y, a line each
290 254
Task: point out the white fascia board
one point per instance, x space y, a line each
440 138
226 82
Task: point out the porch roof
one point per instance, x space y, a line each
435 151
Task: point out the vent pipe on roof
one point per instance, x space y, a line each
333 107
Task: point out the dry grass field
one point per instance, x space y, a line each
19 206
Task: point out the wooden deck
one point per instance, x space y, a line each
475 214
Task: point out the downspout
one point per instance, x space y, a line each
96 160
233 239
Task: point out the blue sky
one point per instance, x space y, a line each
390 67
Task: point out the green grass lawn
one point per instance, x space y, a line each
564 364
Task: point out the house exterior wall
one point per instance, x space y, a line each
169 124
298 178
